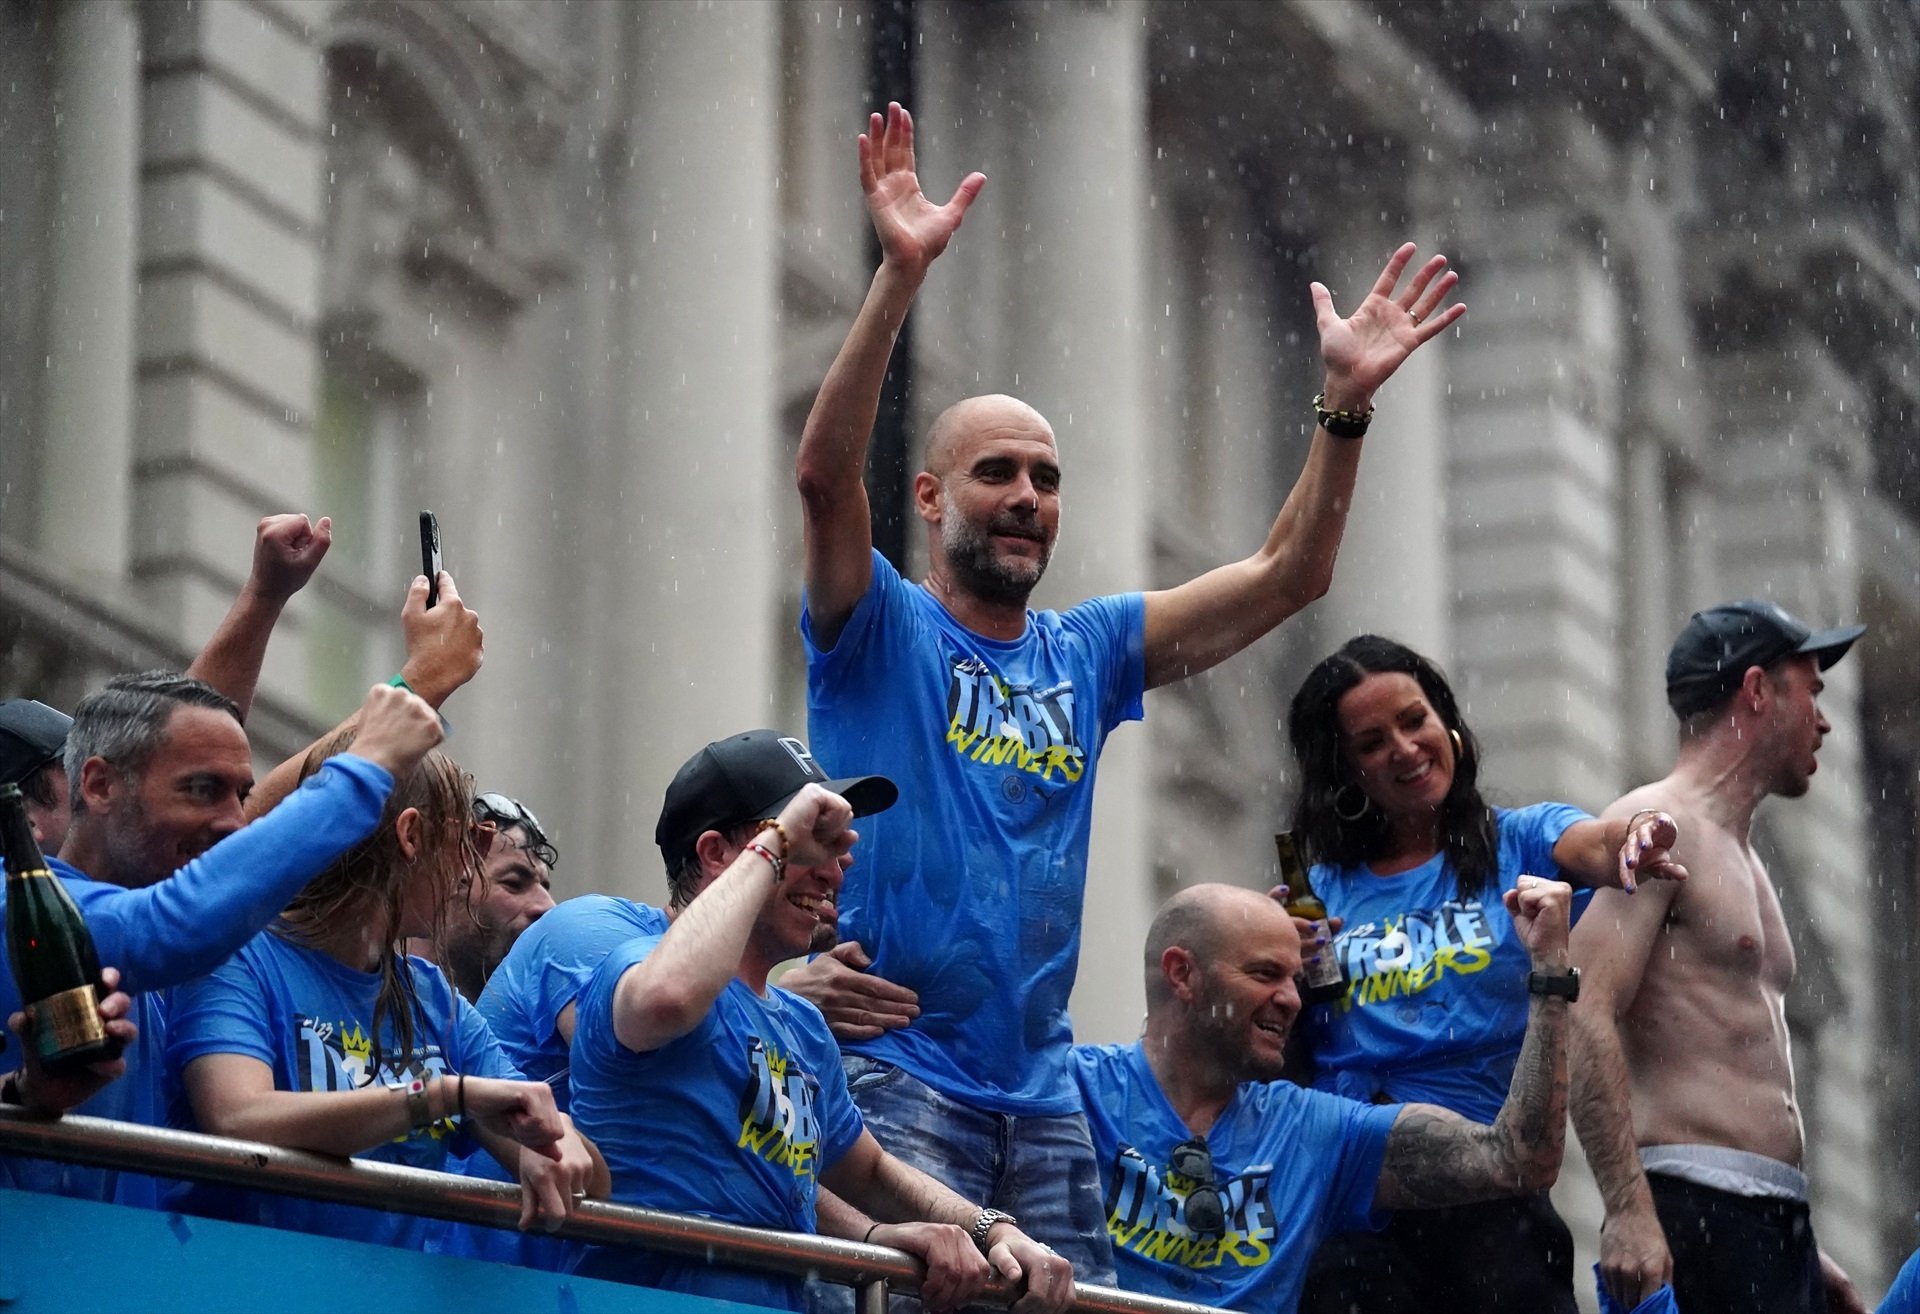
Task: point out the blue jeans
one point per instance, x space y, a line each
1041 1170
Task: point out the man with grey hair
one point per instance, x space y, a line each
287 549
169 882
993 716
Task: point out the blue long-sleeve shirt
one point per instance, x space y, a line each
184 927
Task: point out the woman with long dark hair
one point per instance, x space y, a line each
1406 852
322 1034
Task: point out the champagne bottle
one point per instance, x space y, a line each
54 963
1323 978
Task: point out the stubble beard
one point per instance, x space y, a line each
975 567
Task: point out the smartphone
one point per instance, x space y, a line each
430 554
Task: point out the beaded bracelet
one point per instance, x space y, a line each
778 863
1341 424
773 824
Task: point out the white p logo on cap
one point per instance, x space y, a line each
802 758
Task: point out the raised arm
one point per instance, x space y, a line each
1619 851
668 993
184 926
1612 947
445 646
287 549
1210 618
913 231
1436 1157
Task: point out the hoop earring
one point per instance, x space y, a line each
1355 814
1459 749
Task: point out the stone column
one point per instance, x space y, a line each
86 500
1070 212
689 633
1533 477
232 214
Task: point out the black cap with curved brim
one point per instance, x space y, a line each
750 776
1715 650
31 735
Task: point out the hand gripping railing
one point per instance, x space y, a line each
162 1152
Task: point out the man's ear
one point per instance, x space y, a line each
1756 689
926 497
98 780
1182 972
716 854
409 828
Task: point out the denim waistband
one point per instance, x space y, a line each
1733 1171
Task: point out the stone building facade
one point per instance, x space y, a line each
569 273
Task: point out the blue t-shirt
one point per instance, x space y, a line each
1436 1002
993 745
1903 1297
1293 1166
175 930
733 1121
547 968
309 1017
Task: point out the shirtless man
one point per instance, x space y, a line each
1682 1081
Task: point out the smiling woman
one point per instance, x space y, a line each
1412 863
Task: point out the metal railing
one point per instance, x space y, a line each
872 1271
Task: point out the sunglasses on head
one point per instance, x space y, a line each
1206 1206
506 814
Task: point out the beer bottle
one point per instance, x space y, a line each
53 958
1323 979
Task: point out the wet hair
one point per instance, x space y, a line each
368 883
125 723
1467 832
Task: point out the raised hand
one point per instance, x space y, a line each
816 825
1542 912
395 729
287 549
913 231
445 644
1362 351
1647 850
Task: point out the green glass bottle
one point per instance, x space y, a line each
54 963
1323 979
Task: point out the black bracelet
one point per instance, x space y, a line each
1341 424
870 1231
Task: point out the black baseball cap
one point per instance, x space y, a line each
1712 654
750 776
31 735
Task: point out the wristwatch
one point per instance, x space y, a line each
1558 985
983 1223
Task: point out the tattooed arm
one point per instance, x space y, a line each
1437 1157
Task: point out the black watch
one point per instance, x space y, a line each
1555 985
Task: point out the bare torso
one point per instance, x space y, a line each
1706 1035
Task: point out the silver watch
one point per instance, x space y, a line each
983 1223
